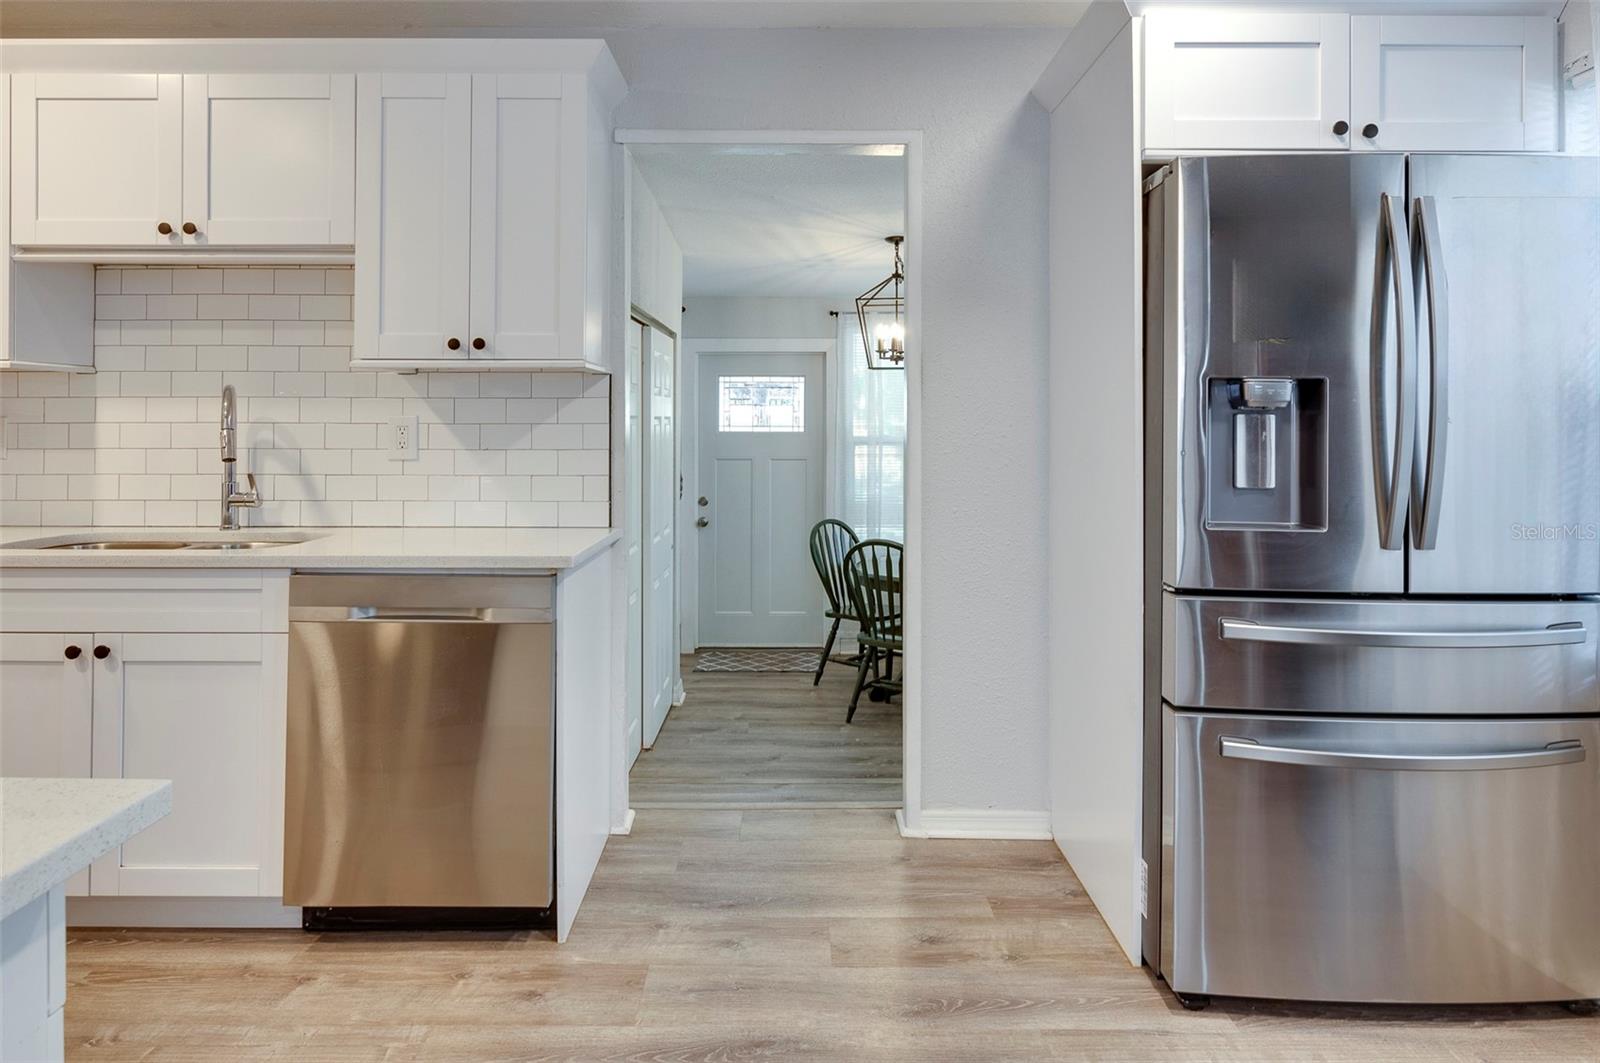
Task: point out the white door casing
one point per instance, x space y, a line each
413 213
96 159
633 541
765 490
269 159
660 541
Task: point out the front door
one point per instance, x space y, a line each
762 457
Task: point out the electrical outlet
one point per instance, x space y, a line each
403 439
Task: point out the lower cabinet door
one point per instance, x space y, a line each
45 697
206 712
1381 859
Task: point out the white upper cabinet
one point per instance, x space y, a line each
413 209
1290 82
269 159
475 200
96 159
1462 83
521 176
1241 81
175 161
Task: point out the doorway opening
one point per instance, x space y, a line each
788 450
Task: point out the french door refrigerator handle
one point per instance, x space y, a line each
1393 243
1426 487
1571 633
1566 752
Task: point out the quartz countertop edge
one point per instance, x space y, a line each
54 828
502 549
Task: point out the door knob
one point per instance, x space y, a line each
453 343
477 343
704 501
1341 127
701 523
190 228
72 653
1369 130
102 652
164 228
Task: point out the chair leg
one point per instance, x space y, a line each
888 668
827 648
868 656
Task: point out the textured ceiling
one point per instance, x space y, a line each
778 221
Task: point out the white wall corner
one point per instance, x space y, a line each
1095 29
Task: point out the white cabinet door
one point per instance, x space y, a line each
1246 81
413 144
95 159
527 172
207 712
269 159
1462 83
45 698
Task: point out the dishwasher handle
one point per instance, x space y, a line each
395 613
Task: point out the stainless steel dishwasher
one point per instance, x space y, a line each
421 748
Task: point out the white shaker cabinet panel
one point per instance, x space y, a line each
269 159
527 174
1246 81
413 215
46 695
206 711
1458 83
95 159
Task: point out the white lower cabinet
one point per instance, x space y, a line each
205 711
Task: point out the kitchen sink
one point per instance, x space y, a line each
213 541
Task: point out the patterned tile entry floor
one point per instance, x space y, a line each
757 659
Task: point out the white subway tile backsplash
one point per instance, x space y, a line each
136 441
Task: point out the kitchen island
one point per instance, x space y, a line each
50 829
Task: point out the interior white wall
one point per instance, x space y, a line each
985 328
738 318
1096 418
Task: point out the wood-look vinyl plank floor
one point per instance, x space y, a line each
724 936
771 740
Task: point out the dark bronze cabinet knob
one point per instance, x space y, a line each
478 344
189 228
102 652
1341 127
72 653
453 343
164 228
1369 130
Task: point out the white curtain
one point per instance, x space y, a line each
869 488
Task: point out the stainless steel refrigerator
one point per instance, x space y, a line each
1373 588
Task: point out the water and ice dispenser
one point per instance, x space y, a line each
1267 442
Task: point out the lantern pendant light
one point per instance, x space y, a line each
881 310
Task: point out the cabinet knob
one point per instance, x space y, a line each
72 653
478 344
1369 130
453 343
164 228
1341 127
102 652
189 228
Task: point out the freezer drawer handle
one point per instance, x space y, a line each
1567 752
1566 634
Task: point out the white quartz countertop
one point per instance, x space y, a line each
315 548
50 829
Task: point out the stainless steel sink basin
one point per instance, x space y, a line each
173 544
143 544
250 545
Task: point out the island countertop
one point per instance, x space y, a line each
305 549
50 829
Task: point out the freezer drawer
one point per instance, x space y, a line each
1384 657
1388 860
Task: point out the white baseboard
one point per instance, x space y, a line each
205 912
991 823
626 826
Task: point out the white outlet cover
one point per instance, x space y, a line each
403 440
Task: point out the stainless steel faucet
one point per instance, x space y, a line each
233 499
